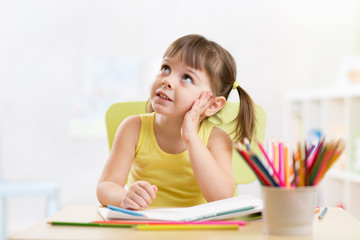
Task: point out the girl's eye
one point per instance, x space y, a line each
187 78
165 69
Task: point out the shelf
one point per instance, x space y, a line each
335 113
344 176
331 93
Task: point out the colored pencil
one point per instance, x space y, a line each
258 173
276 157
220 214
281 161
295 182
323 212
301 166
317 162
311 149
91 224
309 165
255 163
325 161
270 163
263 169
136 222
338 150
286 166
187 227
306 155
315 155
126 211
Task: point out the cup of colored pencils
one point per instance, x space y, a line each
289 181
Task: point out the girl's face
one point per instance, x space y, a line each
176 87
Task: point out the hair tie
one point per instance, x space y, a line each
235 85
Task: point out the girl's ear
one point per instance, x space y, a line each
217 104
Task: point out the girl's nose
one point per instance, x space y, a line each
168 83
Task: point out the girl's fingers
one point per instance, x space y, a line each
193 117
146 186
201 104
140 195
130 204
135 200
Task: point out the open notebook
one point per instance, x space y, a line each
217 210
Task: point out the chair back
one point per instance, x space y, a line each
117 112
243 173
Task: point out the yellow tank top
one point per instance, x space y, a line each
171 173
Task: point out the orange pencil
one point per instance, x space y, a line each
286 166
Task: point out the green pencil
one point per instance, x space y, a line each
92 224
317 163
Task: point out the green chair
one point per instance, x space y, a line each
243 173
117 112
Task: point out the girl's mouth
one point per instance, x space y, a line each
163 96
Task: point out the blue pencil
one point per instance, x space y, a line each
126 211
250 163
254 162
263 169
322 214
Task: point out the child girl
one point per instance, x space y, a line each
173 156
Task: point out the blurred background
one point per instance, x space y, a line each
62 63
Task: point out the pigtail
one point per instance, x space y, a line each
148 107
245 119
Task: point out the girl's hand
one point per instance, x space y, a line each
195 115
139 195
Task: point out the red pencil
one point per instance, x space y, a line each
257 171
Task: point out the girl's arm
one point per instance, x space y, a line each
110 189
212 164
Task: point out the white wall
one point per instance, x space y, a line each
279 46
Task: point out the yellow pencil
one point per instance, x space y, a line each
276 157
186 226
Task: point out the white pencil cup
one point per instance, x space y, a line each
288 211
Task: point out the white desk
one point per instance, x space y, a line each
337 225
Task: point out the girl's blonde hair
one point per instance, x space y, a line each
199 53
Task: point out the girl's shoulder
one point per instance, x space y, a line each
218 132
219 136
129 129
130 124
134 121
